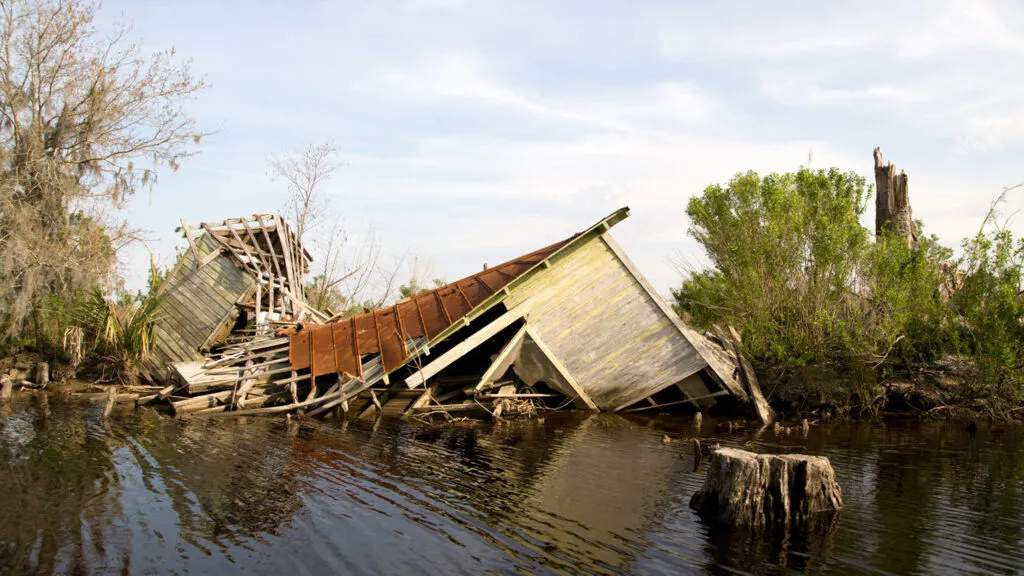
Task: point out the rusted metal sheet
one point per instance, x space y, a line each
338 346
298 349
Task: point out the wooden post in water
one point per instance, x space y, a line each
892 201
6 387
111 400
42 374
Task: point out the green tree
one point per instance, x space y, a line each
86 119
784 250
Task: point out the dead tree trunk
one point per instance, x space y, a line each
892 201
760 491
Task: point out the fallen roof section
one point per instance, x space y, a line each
434 315
340 346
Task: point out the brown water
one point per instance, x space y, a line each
569 494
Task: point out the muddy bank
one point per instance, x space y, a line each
947 389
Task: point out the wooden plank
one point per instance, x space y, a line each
200 320
561 369
191 244
503 360
461 407
597 319
462 348
560 254
273 260
718 365
696 400
289 266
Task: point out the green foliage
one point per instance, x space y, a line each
784 249
326 295
119 333
991 305
907 315
796 272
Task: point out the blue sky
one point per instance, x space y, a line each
472 132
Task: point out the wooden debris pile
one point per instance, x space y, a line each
240 281
217 346
573 324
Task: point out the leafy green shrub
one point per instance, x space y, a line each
785 249
120 332
990 304
906 313
796 272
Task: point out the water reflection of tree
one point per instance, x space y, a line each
53 488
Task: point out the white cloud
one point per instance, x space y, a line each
474 132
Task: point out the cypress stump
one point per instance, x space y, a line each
758 491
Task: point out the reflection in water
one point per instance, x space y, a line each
570 493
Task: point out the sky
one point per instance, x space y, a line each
473 132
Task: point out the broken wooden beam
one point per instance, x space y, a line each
462 348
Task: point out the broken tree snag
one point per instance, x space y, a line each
759 491
892 201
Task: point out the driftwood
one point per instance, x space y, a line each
892 201
460 407
104 396
759 491
331 394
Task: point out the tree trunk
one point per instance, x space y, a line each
758 491
892 201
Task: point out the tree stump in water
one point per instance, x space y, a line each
763 490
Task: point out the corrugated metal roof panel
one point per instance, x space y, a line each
386 331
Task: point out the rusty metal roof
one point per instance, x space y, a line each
336 347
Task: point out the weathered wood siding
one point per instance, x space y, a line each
195 305
605 327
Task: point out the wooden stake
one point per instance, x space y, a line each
6 388
111 400
42 374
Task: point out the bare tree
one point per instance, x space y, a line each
304 174
85 121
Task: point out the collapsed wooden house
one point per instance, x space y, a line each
572 324
239 278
